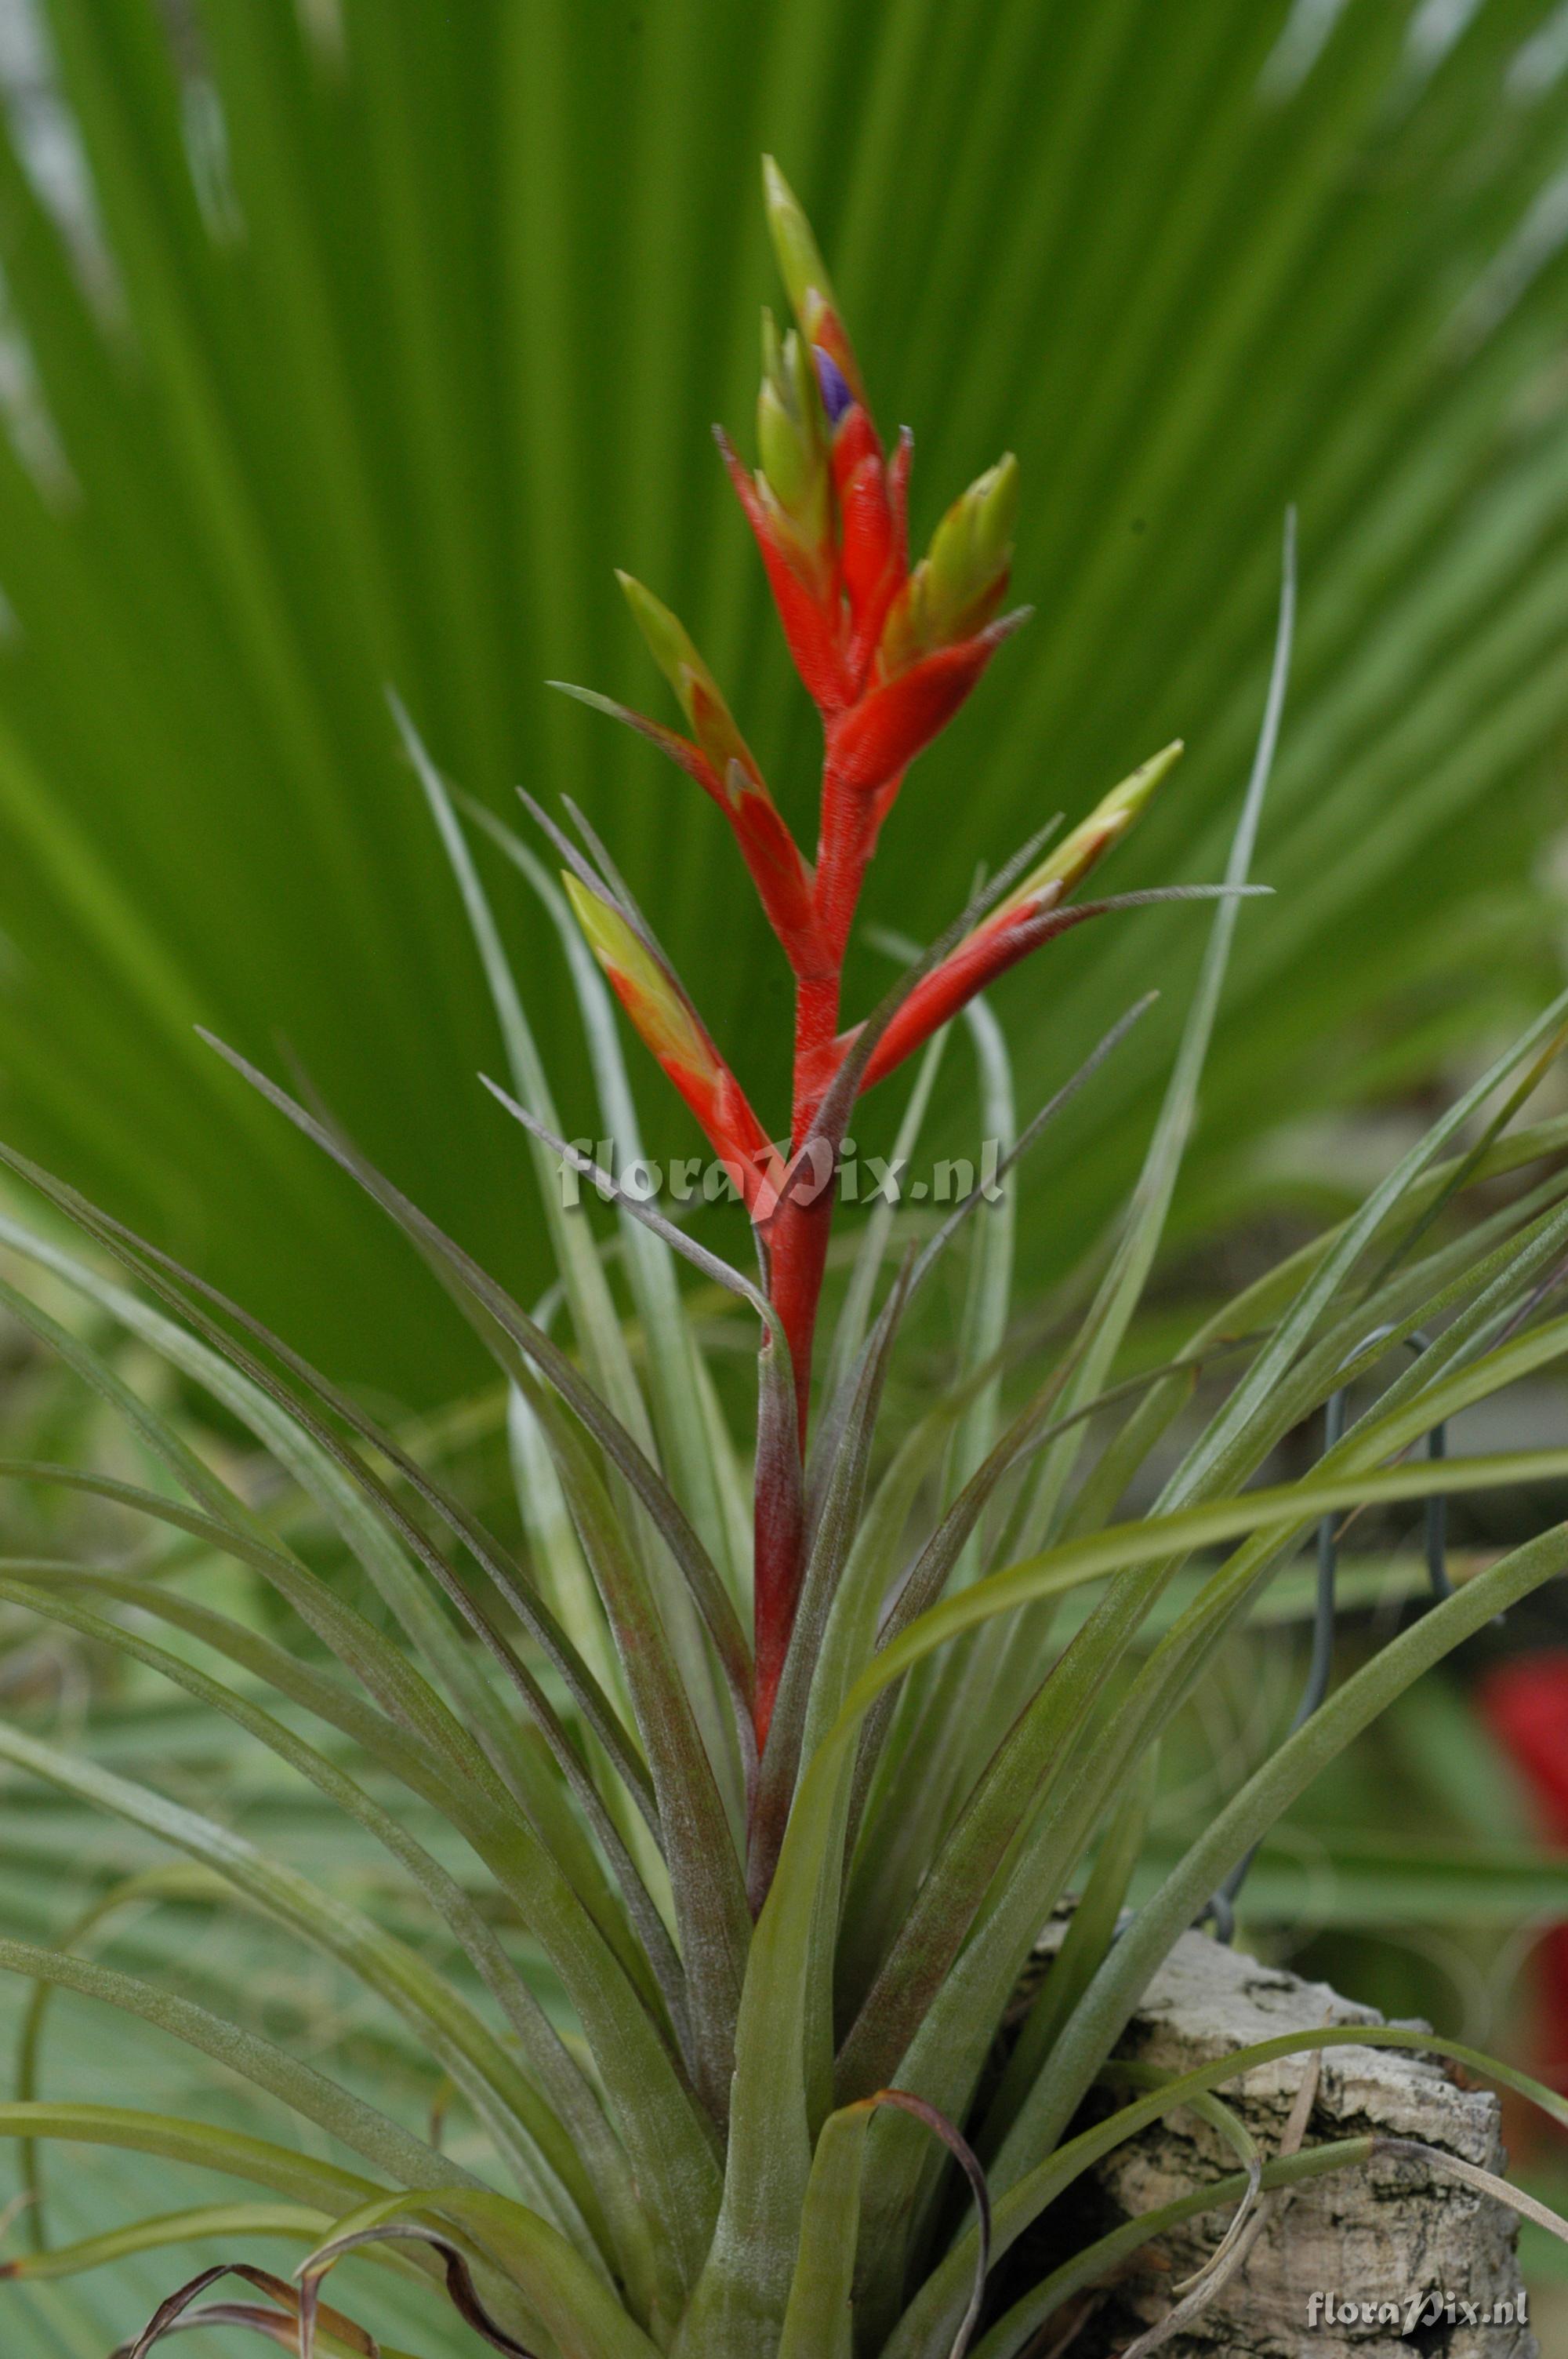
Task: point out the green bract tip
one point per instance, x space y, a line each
800 264
670 644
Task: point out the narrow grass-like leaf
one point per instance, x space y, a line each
674 1351
1107 1321
235 2220
504 2096
819 2320
574 2306
1088 1938
1259 1803
1020 2327
388 2149
498 1312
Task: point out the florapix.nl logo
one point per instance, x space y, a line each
686 1180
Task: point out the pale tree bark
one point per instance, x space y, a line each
1390 2232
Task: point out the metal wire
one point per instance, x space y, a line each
1220 1909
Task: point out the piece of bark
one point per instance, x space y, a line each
1390 2232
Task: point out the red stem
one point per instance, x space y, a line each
799 1231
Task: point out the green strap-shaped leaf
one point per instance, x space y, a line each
745 2282
540 1796
583 2316
630 2055
837 1517
299 2178
187 1293
480 1814
671 1348
706 1884
915 1979
1217 1451
529 1779
819 2322
1020 2327
947 1712
948 2048
855 1309
1100 1337
582 1278
495 1311
389 2149
1260 1802
668 2151
704 1874
577 1259
394 1737
307 1457
506 2099
202 2221
1088 1938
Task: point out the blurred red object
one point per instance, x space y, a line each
1525 1704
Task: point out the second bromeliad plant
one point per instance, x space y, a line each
787 1880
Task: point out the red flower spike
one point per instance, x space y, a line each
886 797
961 582
1029 915
809 628
778 1571
890 726
827 334
797 1240
889 654
855 439
1070 861
794 476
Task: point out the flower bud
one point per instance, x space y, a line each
792 446
1070 861
811 295
707 713
650 997
672 1031
801 265
959 583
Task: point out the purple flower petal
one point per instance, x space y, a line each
836 397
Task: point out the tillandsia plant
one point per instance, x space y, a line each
888 652
730 1928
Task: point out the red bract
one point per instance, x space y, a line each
977 960
866 535
809 626
889 654
882 735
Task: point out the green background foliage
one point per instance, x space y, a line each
353 344
377 334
